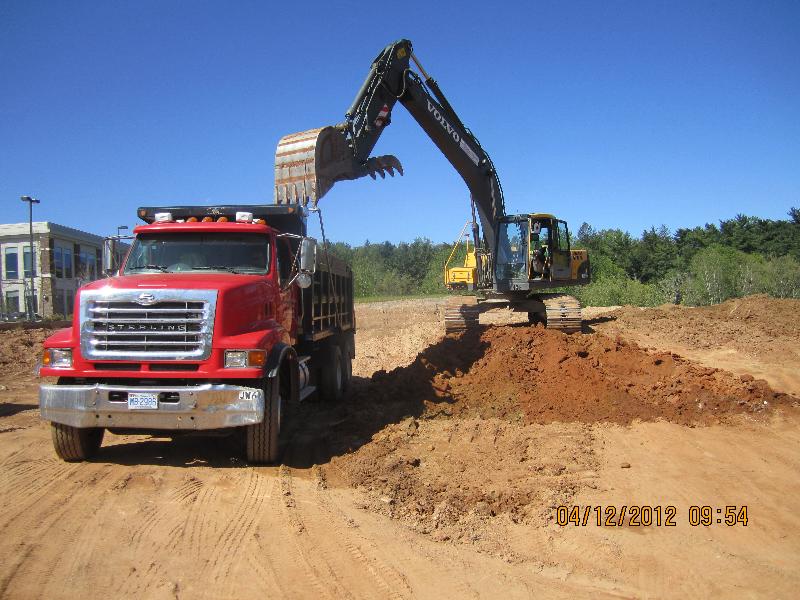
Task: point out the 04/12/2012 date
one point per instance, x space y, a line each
650 516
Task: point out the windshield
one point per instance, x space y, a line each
512 251
199 252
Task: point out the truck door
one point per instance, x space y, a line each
560 245
286 313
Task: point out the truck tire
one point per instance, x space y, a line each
331 374
74 444
347 369
262 438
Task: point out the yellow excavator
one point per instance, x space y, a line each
511 260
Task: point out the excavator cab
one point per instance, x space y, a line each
533 251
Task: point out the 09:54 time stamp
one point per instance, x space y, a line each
648 516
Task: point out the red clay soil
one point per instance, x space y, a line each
20 350
533 375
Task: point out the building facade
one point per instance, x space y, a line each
63 260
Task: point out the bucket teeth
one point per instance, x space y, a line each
382 165
308 163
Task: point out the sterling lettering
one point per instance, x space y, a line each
437 115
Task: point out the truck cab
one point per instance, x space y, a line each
217 317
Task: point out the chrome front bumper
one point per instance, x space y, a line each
208 406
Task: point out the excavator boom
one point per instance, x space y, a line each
309 163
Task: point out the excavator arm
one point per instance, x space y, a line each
307 164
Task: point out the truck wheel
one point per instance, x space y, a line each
262 438
74 444
347 369
331 375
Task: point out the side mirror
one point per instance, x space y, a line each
109 256
308 256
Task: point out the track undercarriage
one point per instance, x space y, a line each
560 312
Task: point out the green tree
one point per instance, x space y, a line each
655 254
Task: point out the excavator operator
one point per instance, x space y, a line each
539 251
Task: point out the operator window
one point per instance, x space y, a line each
563 236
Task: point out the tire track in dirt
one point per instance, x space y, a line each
386 578
237 535
195 498
28 481
153 517
304 554
21 556
66 511
91 534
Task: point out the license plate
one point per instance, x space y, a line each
142 400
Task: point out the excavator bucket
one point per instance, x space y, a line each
308 163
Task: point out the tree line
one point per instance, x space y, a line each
696 266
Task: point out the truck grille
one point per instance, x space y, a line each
132 325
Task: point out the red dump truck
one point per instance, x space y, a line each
217 317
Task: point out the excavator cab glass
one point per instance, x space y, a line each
540 248
512 251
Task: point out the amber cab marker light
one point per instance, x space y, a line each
257 358
207 219
222 220
191 220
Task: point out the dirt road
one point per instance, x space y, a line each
417 486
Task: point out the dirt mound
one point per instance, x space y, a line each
20 350
490 424
450 478
753 325
779 317
534 375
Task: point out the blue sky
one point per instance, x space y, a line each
622 114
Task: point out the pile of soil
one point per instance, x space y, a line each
756 325
20 351
534 375
482 425
452 478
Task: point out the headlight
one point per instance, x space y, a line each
235 359
242 359
57 358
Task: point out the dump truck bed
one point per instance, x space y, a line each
327 305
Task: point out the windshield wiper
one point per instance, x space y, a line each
217 268
161 268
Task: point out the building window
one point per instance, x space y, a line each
58 262
67 260
12 263
26 258
12 301
86 265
